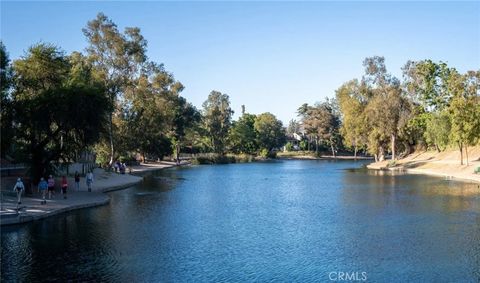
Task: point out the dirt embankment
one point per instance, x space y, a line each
446 163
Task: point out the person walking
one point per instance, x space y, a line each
64 186
51 186
89 179
19 188
77 181
42 187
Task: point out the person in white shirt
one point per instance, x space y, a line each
19 188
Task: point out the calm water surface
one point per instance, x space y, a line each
275 221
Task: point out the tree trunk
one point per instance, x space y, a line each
466 152
316 145
393 146
461 152
355 153
333 150
110 132
177 153
381 154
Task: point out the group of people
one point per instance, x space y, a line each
120 167
48 185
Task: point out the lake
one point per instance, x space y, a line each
282 221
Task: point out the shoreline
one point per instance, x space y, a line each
444 164
326 157
31 208
454 177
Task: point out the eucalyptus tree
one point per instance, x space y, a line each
59 107
118 57
464 110
294 127
427 83
217 119
388 109
354 126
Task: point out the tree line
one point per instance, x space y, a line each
432 107
113 100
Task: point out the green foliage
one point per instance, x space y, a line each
6 118
118 59
303 145
270 131
465 121
429 83
264 152
289 146
214 158
243 136
49 91
352 106
437 132
217 119
323 124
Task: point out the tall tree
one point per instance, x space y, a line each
352 107
322 122
217 119
427 84
465 110
118 58
388 109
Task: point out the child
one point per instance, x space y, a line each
19 187
42 187
64 187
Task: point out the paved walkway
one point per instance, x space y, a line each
32 209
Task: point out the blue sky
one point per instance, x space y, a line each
269 56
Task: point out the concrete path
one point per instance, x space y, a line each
32 209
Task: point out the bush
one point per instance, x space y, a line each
265 153
303 145
222 159
289 146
